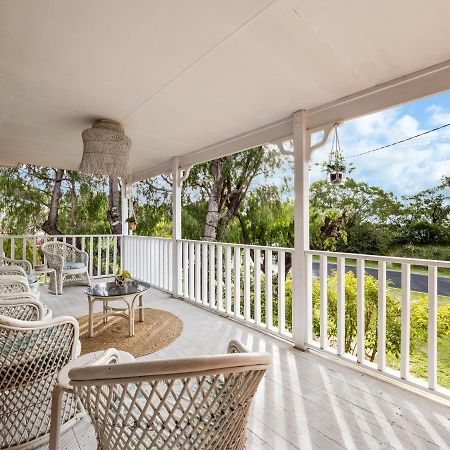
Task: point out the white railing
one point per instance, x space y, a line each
103 250
353 348
149 259
246 282
253 284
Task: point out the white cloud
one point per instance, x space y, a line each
403 169
439 115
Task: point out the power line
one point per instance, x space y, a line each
398 142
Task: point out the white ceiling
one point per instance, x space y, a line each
183 75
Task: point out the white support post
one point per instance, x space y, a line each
301 270
176 224
124 190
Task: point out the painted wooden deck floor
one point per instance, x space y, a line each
305 401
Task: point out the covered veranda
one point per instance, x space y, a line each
198 81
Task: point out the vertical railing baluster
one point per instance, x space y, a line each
99 256
198 271
340 306
13 248
237 281
268 302
381 321
185 270
191 270
432 327
257 276
228 279
220 277
179 259
24 248
34 251
91 256
108 243
323 279
205 274
406 320
360 311
281 292
167 263
247 283
212 275
152 262
114 268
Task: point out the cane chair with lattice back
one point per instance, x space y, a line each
24 306
71 265
185 403
13 284
25 265
31 355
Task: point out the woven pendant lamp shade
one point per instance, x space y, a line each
106 150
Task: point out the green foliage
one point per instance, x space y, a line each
393 324
124 273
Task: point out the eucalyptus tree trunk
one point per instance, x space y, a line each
114 215
213 214
50 226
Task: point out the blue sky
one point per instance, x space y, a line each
405 168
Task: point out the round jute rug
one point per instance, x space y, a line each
159 329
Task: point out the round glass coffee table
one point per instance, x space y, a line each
130 297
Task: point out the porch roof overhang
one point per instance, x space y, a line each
203 79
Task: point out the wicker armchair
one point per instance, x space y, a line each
13 284
198 402
31 355
23 307
25 265
8 302
71 265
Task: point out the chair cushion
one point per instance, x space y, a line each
31 279
73 265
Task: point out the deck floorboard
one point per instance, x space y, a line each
306 400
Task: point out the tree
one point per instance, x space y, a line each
362 202
53 200
224 182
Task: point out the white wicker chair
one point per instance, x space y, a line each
190 403
24 297
60 256
23 307
13 284
31 355
25 265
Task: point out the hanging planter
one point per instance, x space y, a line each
336 167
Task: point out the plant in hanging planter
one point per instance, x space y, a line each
336 170
132 224
336 166
121 277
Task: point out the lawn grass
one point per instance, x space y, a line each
396 294
419 354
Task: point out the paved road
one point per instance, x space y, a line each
419 282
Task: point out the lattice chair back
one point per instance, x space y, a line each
25 265
31 355
68 251
22 306
71 265
12 284
187 403
12 270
